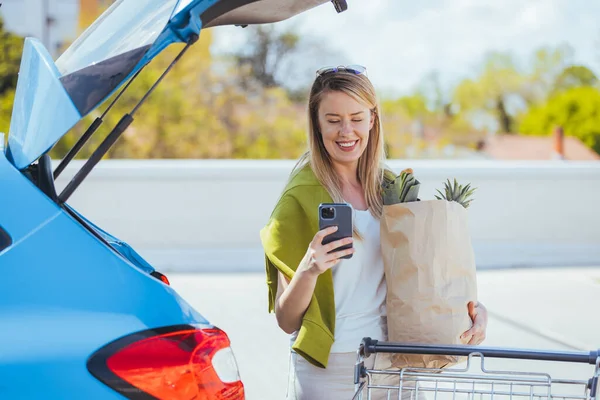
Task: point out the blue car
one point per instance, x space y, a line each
82 315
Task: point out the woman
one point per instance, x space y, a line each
325 303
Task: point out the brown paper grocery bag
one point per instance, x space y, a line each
431 277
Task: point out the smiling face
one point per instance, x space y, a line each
344 124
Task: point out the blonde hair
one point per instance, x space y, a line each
370 164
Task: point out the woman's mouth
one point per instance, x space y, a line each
347 146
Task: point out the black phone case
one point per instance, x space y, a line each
342 219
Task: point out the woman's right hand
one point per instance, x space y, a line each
318 258
293 297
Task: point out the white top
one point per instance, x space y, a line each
360 290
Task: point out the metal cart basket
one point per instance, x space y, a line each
473 381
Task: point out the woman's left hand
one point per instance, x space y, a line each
478 314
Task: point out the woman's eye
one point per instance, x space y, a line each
357 120
333 121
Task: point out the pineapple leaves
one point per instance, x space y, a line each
405 188
455 192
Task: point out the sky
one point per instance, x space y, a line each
401 41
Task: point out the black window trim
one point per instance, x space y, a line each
5 239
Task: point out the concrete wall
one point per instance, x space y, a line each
197 214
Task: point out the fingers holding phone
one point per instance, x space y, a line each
323 256
334 240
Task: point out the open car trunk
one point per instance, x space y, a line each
51 97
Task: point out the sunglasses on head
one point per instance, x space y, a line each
354 69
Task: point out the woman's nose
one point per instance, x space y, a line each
346 128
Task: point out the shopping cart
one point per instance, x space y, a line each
473 381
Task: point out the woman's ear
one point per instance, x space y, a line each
373 116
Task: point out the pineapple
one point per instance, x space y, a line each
457 193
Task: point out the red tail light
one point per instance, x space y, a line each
160 277
179 363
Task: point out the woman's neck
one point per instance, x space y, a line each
348 174
352 189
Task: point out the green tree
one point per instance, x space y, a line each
6 105
575 76
162 124
200 111
11 47
489 92
501 89
212 106
576 110
547 64
265 53
279 56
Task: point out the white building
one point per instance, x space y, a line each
54 22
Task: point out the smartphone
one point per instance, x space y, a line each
340 215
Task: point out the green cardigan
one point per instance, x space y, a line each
285 239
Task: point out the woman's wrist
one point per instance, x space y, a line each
308 271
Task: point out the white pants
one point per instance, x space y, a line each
336 382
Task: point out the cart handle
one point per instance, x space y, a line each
370 346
